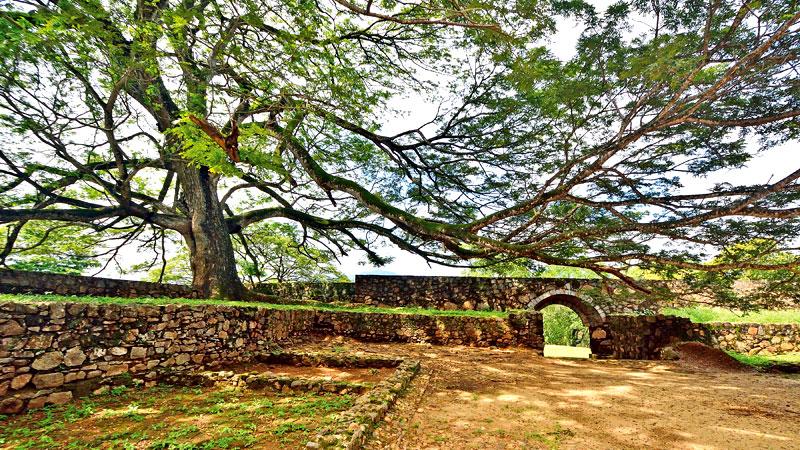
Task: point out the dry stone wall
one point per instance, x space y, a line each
454 292
52 352
22 282
754 338
475 293
323 291
643 337
524 329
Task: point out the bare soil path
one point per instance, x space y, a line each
513 398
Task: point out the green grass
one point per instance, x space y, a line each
27 298
702 314
552 439
166 417
761 361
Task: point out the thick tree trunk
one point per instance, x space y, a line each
212 257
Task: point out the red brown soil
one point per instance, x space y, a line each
694 355
470 398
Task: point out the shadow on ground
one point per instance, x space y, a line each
513 398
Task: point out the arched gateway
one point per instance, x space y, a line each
499 294
592 316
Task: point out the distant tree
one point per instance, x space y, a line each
522 268
762 251
519 268
48 247
764 288
276 252
554 271
267 252
175 269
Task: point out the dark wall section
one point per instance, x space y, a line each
643 337
323 292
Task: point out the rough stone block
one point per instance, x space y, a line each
59 398
11 405
74 357
138 352
48 380
47 361
11 328
20 381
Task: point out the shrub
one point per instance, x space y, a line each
562 326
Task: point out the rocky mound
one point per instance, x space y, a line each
695 355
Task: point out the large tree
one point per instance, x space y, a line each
595 161
155 115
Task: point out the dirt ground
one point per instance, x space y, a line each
513 398
350 374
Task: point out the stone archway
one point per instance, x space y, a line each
592 317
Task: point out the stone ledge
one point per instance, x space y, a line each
356 424
262 381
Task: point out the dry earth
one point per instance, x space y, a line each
513 398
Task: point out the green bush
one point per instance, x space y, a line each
562 326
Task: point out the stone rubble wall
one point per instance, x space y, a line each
524 329
477 293
23 282
319 291
754 338
452 293
51 352
352 428
447 293
643 337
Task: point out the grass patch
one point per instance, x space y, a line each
552 439
764 362
28 298
176 418
704 314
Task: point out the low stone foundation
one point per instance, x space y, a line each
643 337
50 352
352 427
754 338
355 426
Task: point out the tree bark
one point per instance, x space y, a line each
212 260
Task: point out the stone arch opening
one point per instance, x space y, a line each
592 317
